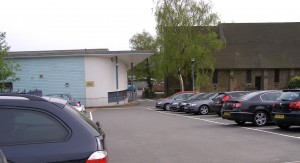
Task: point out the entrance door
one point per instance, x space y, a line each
258 82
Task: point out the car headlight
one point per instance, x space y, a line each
193 104
175 103
183 103
159 102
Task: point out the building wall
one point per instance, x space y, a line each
100 72
229 80
51 75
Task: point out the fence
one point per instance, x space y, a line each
108 101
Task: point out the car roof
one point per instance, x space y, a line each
56 100
16 96
187 92
291 90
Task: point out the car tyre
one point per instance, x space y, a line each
166 107
260 118
219 113
203 110
240 122
284 127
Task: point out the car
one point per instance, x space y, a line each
180 104
226 96
202 106
131 88
76 104
165 103
255 107
43 129
286 109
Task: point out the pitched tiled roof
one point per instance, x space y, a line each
259 45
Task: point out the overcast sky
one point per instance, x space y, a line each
78 24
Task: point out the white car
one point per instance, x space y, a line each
76 104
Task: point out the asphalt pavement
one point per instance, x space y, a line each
143 134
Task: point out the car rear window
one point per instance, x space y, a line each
249 96
238 94
83 117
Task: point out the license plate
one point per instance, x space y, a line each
226 113
279 116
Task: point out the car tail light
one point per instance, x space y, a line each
98 157
225 98
237 105
295 105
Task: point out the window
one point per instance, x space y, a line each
270 96
215 77
117 96
248 76
18 126
276 75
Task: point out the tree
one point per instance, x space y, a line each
294 82
144 41
7 66
185 31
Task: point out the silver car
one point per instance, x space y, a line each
203 106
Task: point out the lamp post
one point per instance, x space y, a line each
193 73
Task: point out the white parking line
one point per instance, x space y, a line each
145 100
207 120
91 116
293 162
274 133
179 115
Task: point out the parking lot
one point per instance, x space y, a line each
141 133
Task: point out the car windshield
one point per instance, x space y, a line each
220 96
289 96
180 96
196 97
208 96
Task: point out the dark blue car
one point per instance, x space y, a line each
41 129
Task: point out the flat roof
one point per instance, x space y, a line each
127 56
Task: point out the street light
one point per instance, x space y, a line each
193 73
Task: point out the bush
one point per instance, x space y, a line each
148 94
294 82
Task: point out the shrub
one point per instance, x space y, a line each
294 82
148 94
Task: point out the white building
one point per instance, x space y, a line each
96 77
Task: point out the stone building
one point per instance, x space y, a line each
256 56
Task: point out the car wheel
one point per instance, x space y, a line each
219 113
240 122
166 107
260 118
284 127
204 110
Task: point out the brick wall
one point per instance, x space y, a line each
229 80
